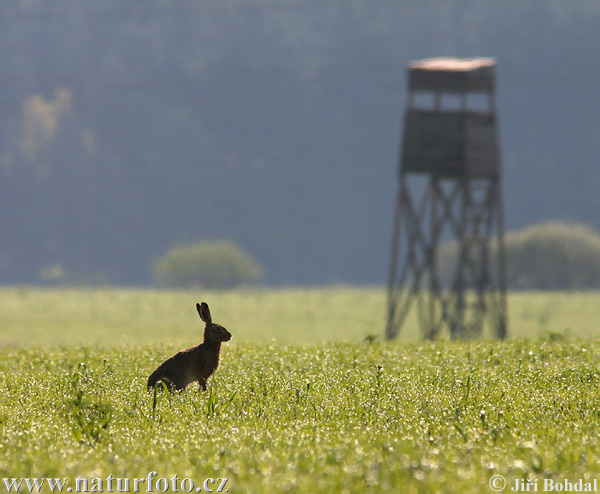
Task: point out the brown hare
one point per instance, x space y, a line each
196 363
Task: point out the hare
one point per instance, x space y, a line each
196 363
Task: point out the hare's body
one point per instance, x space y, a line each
196 363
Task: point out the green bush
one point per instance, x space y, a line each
548 256
218 264
554 256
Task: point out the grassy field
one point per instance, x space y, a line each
300 403
45 317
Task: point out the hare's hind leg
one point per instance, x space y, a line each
202 383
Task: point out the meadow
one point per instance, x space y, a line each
43 317
302 402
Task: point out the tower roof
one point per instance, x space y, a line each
452 74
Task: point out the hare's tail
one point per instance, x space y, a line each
156 376
152 380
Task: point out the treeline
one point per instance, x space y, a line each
129 127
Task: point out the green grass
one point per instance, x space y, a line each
288 411
340 417
120 316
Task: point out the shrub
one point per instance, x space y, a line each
218 264
554 256
549 256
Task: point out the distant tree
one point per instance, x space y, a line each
218 264
554 256
548 256
54 274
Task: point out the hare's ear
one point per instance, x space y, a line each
204 312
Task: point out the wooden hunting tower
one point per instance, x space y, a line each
449 190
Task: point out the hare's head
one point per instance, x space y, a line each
212 331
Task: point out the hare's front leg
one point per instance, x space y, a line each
202 383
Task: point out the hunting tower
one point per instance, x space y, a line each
449 190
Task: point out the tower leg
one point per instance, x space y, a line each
469 210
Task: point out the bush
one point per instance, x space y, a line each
548 256
218 264
554 256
